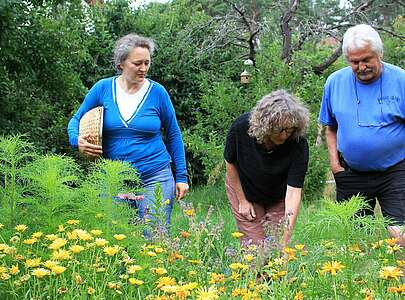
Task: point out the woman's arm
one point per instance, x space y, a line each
245 207
175 144
292 208
91 100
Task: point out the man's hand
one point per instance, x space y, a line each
247 210
337 168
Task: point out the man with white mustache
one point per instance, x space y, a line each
363 109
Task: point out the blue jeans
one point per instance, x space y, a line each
146 208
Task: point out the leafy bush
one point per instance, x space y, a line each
41 188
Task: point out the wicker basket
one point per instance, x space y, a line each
92 123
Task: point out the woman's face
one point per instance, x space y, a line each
136 66
279 136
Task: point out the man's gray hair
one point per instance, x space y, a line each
361 36
125 45
275 111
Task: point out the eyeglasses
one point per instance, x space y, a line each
289 130
364 116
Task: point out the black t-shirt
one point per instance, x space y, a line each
264 174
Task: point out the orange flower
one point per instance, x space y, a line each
185 234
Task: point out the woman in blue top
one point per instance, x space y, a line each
135 111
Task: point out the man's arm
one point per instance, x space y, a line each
245 207
331 141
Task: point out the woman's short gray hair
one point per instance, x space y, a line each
361 36
276 111
125 45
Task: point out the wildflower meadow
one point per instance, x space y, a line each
63 237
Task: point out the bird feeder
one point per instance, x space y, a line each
244 77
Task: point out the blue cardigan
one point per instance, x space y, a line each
138 140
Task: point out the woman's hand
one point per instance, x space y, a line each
247 210
181 190
88 149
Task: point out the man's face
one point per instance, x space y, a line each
365 64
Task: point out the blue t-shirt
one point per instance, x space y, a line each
369 118
138 140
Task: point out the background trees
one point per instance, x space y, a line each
52 51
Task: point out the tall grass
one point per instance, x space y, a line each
62 236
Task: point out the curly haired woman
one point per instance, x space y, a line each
266 156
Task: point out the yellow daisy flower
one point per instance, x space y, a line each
100 242
61 255
216 278
331 267
57 244
14 270
159 271
190 286
49 264
111 251
32 263
76 249
96 232
238 266
58 269
21 228
133 268
278 274
401 263
73 222
134 281
37 235
99 216
248 257
40 272
151 253
83 235
120 237
159 250
204 293
390 272
299 296
3 247
165 281
51 237
189 212
237 234
391 241
30 241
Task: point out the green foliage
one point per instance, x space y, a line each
318 168
332 256
15 152
53 51
44 189
336 221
